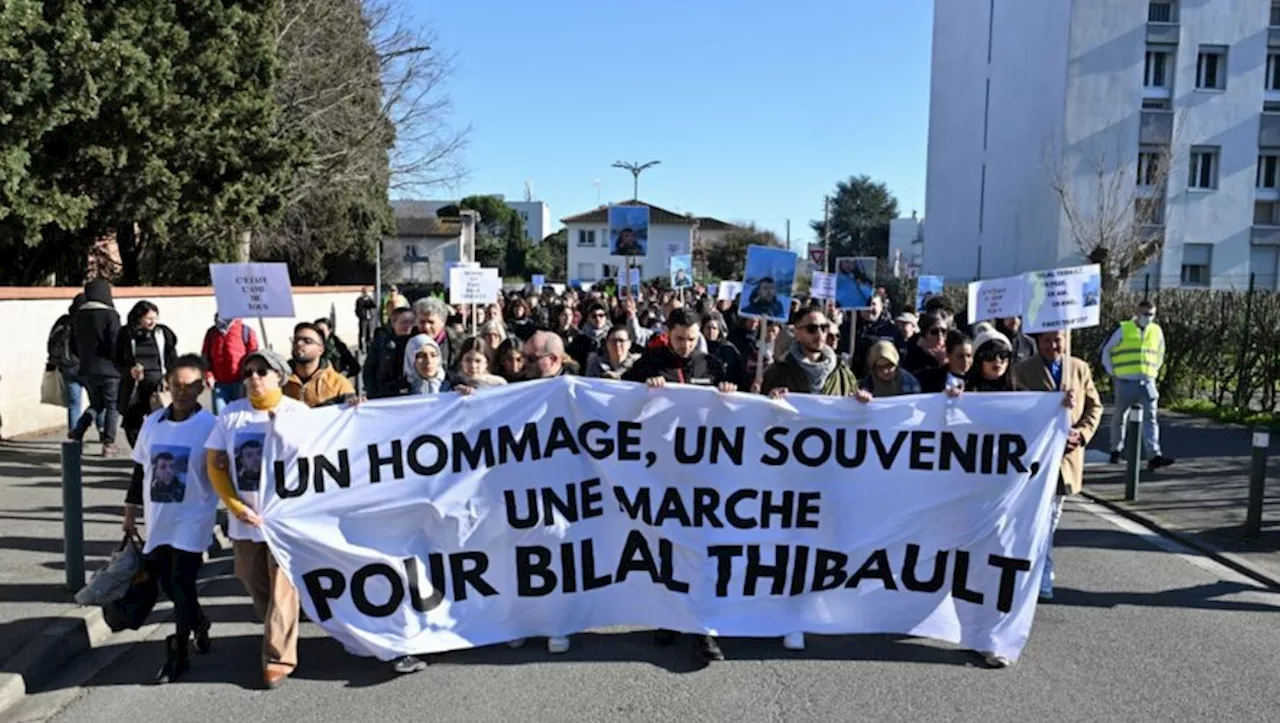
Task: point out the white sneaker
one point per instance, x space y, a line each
995 661
517 643
793 641
557 645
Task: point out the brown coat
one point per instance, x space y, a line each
324 387
1033 376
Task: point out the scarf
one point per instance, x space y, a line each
432 384
815 372
594 332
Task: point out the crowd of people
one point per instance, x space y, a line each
187 459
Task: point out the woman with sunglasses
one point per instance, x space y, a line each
951 375
928 350
591 334
993 364
885 378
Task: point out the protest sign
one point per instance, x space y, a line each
628 230
249 290
855 281
1061 299
767 286
992 299
682 271
823 285
538 281
728 290
449 266
474 285
712 290
927 286
546 508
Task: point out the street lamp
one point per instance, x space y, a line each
636 169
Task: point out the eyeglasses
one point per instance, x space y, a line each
816 328
306 341
251 373
1001 355
938 331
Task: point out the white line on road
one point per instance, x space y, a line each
1169 545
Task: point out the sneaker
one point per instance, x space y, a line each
558 644
1115 458
109 451
709 649
517 643
793 641
406 664
201 637
1046 594
995 661
1158 461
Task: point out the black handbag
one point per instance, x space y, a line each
131 610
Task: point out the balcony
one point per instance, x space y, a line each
1156 128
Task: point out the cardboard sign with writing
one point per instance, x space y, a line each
470 285
728 290
823 286
248 290
1061 299
992 299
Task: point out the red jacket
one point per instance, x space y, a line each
225 352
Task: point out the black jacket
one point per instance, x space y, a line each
868 335
701 369
366 308
97 327
583 346
61 348
735 367
917 361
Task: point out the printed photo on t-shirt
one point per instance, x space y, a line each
169 473
249 460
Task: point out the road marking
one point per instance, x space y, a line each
1167 544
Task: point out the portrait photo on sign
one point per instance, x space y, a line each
766 288
629 230
682 271
855 281
248 460
169 473
1091 292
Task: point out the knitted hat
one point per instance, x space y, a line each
273 360
989 335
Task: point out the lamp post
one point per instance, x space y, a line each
636 169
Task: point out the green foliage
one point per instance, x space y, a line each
556 247
727 258
1230 415
860 213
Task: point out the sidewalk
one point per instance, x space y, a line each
1203 497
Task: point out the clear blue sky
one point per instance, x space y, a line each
754 110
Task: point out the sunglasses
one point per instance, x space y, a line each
885 366
815 328
306 341
994 355
938 331
251 373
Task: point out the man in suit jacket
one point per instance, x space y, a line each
1050 371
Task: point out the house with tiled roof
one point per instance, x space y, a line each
670 234
420 248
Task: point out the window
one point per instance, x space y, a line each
1275 14
1271 107
1196 260
1268 165
1150 170
1204 168
1160 11
586 238
1266 213
1211 68
1155 72
586 272
1264 264
1273 71
1149 211
610 271
1156 104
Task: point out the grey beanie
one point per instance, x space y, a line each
273 360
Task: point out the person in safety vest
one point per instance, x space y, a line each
1133 357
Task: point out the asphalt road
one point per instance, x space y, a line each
1140 631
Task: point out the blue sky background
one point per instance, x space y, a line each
754 110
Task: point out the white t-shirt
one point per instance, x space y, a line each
241 432
179 503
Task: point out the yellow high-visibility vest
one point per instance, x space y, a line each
1137 353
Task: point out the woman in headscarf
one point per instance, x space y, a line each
615 357
145 351
886 377
430 376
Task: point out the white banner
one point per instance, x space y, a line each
435 523
249 290
1068 298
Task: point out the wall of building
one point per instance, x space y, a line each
1228 118
655 264
433 253
29 314
537 218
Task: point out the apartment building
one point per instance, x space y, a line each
1168 110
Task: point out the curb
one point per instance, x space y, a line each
76 631
1267 578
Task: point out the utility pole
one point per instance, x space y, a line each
826 233
636 169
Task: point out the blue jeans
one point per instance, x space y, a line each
224 394
1144 394
1055 517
